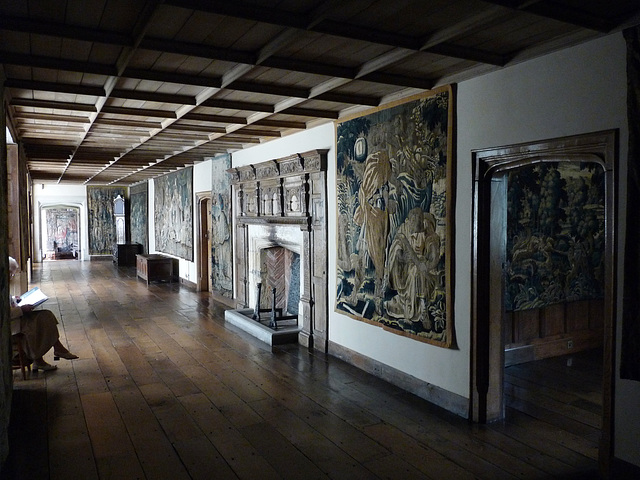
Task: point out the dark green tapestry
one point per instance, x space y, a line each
139 217
102 224
555 234
221 242
173 214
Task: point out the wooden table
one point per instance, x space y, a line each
154 267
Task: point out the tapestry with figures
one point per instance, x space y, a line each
395 197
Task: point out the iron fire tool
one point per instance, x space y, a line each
275 313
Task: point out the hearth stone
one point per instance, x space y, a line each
287 331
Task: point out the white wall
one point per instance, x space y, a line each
575 91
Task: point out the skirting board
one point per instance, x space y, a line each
449 401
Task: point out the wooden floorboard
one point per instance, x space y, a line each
163 389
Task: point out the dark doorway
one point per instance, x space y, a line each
489 322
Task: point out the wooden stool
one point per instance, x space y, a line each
17 342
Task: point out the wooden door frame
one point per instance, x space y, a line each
487 350
204 269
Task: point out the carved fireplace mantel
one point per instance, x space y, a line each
285 192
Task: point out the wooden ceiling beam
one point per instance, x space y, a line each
101 120
198 50
48 117
78 107
196 128
20 24
348 98
468 53
205 117
561 13
269 89
139 112
39 127
254 132
55 87
305 66
237 105
171 77
153 97
57 64
311 112
247 11
280 124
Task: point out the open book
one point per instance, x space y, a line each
33 297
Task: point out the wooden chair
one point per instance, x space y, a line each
17 342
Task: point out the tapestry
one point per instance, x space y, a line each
102 224
221 244
630 348
139 215
555 234
61 230
395 204
173 215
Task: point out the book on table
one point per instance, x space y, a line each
33 297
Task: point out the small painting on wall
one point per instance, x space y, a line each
395 198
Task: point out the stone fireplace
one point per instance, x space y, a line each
281 242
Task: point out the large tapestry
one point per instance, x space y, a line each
221 244
555 234
102 223
173 217
61 230
395 204
139 216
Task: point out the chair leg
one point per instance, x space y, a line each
22 357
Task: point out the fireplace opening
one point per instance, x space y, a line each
280 268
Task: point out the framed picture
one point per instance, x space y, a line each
395 205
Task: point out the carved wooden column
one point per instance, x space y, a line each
305 337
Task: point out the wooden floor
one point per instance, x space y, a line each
164 390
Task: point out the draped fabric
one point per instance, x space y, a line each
630 348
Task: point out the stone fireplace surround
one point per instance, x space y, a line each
282 202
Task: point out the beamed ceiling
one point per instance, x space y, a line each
120 91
